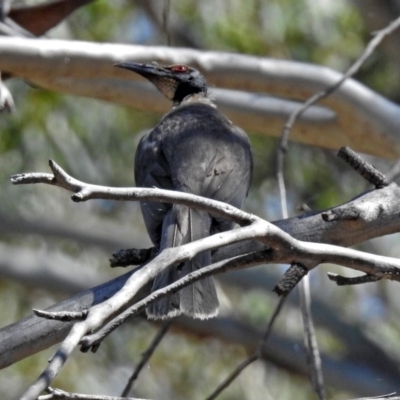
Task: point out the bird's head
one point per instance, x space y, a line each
174 81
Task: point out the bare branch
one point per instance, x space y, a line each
259 229
310 341
84 192
293 275
379 36
295 115
351 157
56 362
61 315
364 168
45 333
376 212
86 69
279 241
57 394
254 357
146 356
93 341
344 281
99 314
282 244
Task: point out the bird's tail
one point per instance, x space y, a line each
199 300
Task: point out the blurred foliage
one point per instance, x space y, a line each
96 141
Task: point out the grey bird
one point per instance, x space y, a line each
193 149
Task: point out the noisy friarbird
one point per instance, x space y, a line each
193 149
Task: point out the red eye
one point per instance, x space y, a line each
179 68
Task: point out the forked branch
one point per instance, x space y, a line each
282 248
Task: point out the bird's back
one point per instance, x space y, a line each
193 149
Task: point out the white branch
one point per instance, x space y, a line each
84 191
75 67
283 247
377 213
259 229
57 394
262 230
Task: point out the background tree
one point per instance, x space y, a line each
52 248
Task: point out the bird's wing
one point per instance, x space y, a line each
194 149
210 157
152 170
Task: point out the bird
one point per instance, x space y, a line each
193 149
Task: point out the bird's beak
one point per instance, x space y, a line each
160 76
146 70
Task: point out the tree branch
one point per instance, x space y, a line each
57 394
84 192
262 230
146 356
282 244
357 163
254 357
376 211
365 169
87 69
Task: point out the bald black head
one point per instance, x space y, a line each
174 81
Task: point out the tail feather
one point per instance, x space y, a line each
199 300
168 306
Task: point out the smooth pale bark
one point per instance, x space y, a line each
358 117
378 215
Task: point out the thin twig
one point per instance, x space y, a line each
146 356
312 349
56 363
254 357
310 340
372 45
314 358
285 246
61 315
358 280
363 167
377 265
58 394
84 191
284 137
93 341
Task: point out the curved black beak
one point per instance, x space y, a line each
146 70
